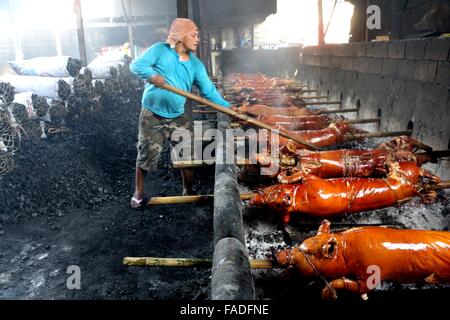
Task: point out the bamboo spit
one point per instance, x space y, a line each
202 163
317 103
247 196
441 185
337 111
351 136
189 263
355 136
349 121
318 112
286 161
188 199
233 113
311 97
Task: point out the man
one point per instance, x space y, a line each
171 62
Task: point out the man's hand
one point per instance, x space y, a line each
157 80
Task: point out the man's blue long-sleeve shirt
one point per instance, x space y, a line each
161 59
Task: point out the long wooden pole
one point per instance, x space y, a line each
233 113
348 121
189 262
317 112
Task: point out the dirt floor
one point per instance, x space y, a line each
66 203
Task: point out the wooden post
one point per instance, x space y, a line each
80 30
182 9
321 40
131 30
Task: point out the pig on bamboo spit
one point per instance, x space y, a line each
335 134
333 197
256 81
346 260
349 162
298 123
260 109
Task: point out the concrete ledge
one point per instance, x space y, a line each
227 203
231 273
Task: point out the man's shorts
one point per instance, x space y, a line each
153 129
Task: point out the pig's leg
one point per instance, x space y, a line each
355 286
293 178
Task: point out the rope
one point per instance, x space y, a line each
318 273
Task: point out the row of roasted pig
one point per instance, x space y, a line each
345 181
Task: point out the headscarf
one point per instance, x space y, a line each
180 28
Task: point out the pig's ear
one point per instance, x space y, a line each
329 248
324 227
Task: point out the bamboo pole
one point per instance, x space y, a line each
360 121
189 262
312 97
440 153
234 114
318 111
441 185
337 111
350 136
317 103
380 134
188 199
204 111
348 121
201 163
285 162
